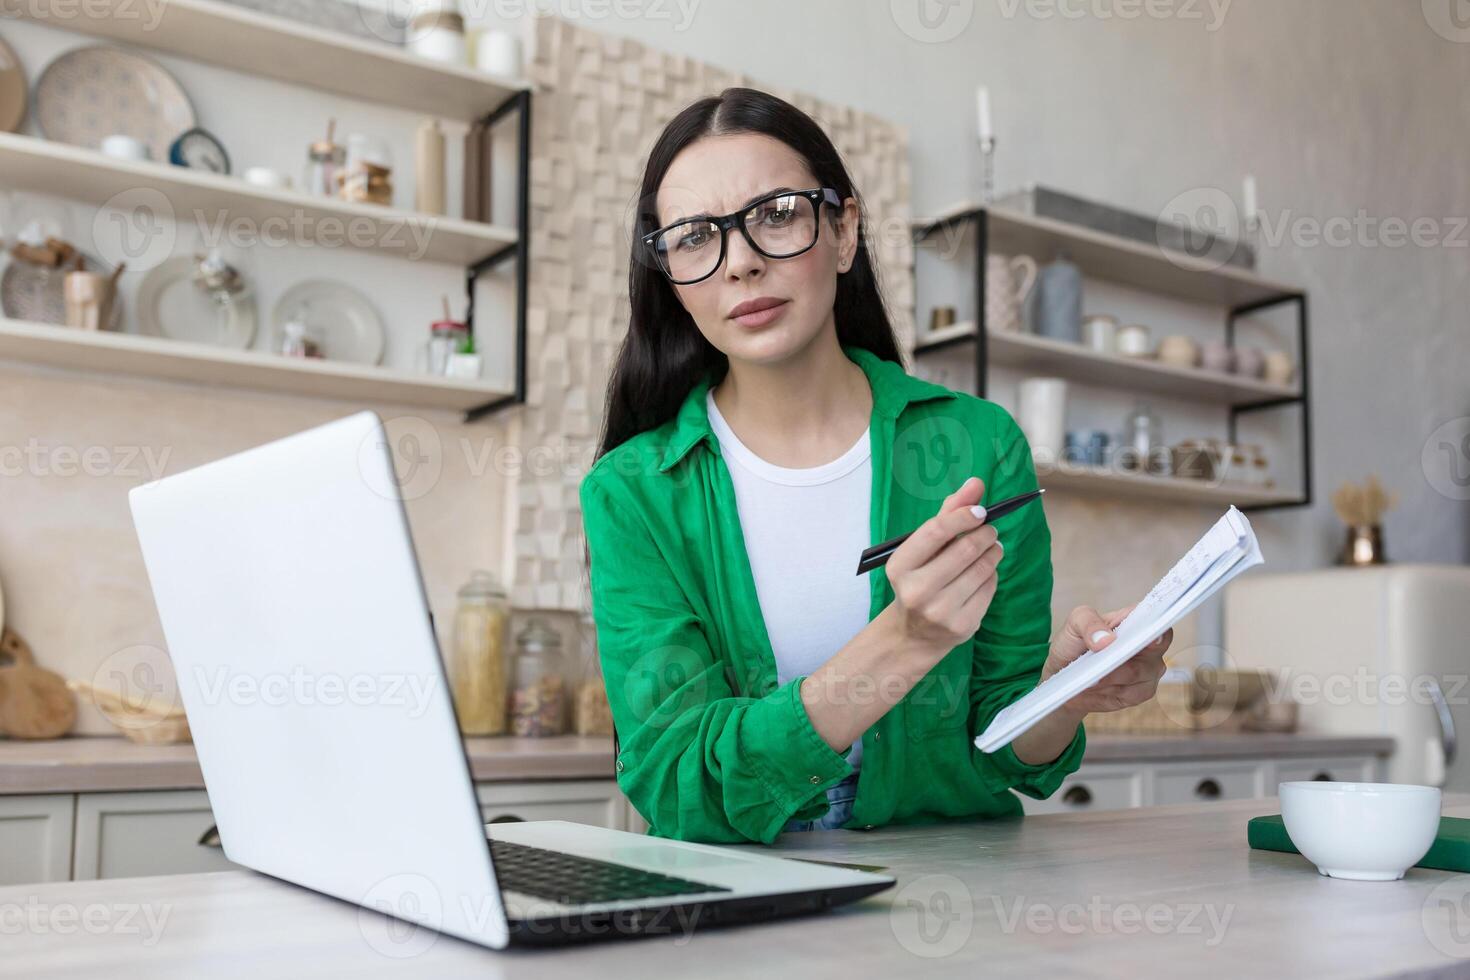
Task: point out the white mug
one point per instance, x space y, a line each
1008 281
1042 414
498 53
125 147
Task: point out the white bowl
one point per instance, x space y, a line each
1362 831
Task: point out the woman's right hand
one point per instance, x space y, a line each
944 578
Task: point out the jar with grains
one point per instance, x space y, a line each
593 714
477 665
538 697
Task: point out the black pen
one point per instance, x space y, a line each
879 554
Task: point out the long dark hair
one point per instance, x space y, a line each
664 355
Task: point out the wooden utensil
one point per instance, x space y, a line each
143 723
34 702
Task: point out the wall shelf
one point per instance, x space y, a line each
274 47
1100 480
1043 355
199 197
1151 269
170 360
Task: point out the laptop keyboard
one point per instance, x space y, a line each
572 880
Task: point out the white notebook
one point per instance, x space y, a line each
1226 550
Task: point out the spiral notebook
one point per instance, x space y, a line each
1226 550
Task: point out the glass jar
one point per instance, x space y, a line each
593 714
446 337
538 697
477 668
1141 437
324 161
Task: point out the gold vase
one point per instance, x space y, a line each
1364 546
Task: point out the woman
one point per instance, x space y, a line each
760 432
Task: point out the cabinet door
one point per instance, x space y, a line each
598 802
1352 769
35 838
1203 782
124 835
1092 788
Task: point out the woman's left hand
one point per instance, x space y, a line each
1133 682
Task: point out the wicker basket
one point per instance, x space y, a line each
1166 713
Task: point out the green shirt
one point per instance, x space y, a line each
711 748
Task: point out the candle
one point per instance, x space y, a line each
982 105
1250 199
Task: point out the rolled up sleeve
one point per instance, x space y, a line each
697 760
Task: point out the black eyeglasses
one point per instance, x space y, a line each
779 226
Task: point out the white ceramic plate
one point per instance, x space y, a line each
170 305
93 92
339 317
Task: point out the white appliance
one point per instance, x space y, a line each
1381 650
296 619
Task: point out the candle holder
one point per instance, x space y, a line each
987 170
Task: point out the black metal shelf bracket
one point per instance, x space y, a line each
520 252
980 217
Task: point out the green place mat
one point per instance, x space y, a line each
1449 852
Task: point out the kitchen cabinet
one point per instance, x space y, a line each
1121 785
35 838
85 836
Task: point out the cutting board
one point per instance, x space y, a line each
1449 852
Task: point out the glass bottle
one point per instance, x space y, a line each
538 697
477 669
594 714
1141 436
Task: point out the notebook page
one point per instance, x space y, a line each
1226 550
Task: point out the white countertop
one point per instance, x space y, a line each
1167 890
93 764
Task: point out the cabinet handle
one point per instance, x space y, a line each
210 838
1208 789
1322 777
507 818
1077 796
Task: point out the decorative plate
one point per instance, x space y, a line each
92 92
171 305
12 90
338 317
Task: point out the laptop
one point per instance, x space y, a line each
301 637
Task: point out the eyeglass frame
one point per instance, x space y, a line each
736 219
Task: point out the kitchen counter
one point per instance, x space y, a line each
1131 893
90 764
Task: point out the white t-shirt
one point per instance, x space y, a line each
804 529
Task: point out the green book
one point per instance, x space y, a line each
1449 852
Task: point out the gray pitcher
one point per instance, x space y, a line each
1058 312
